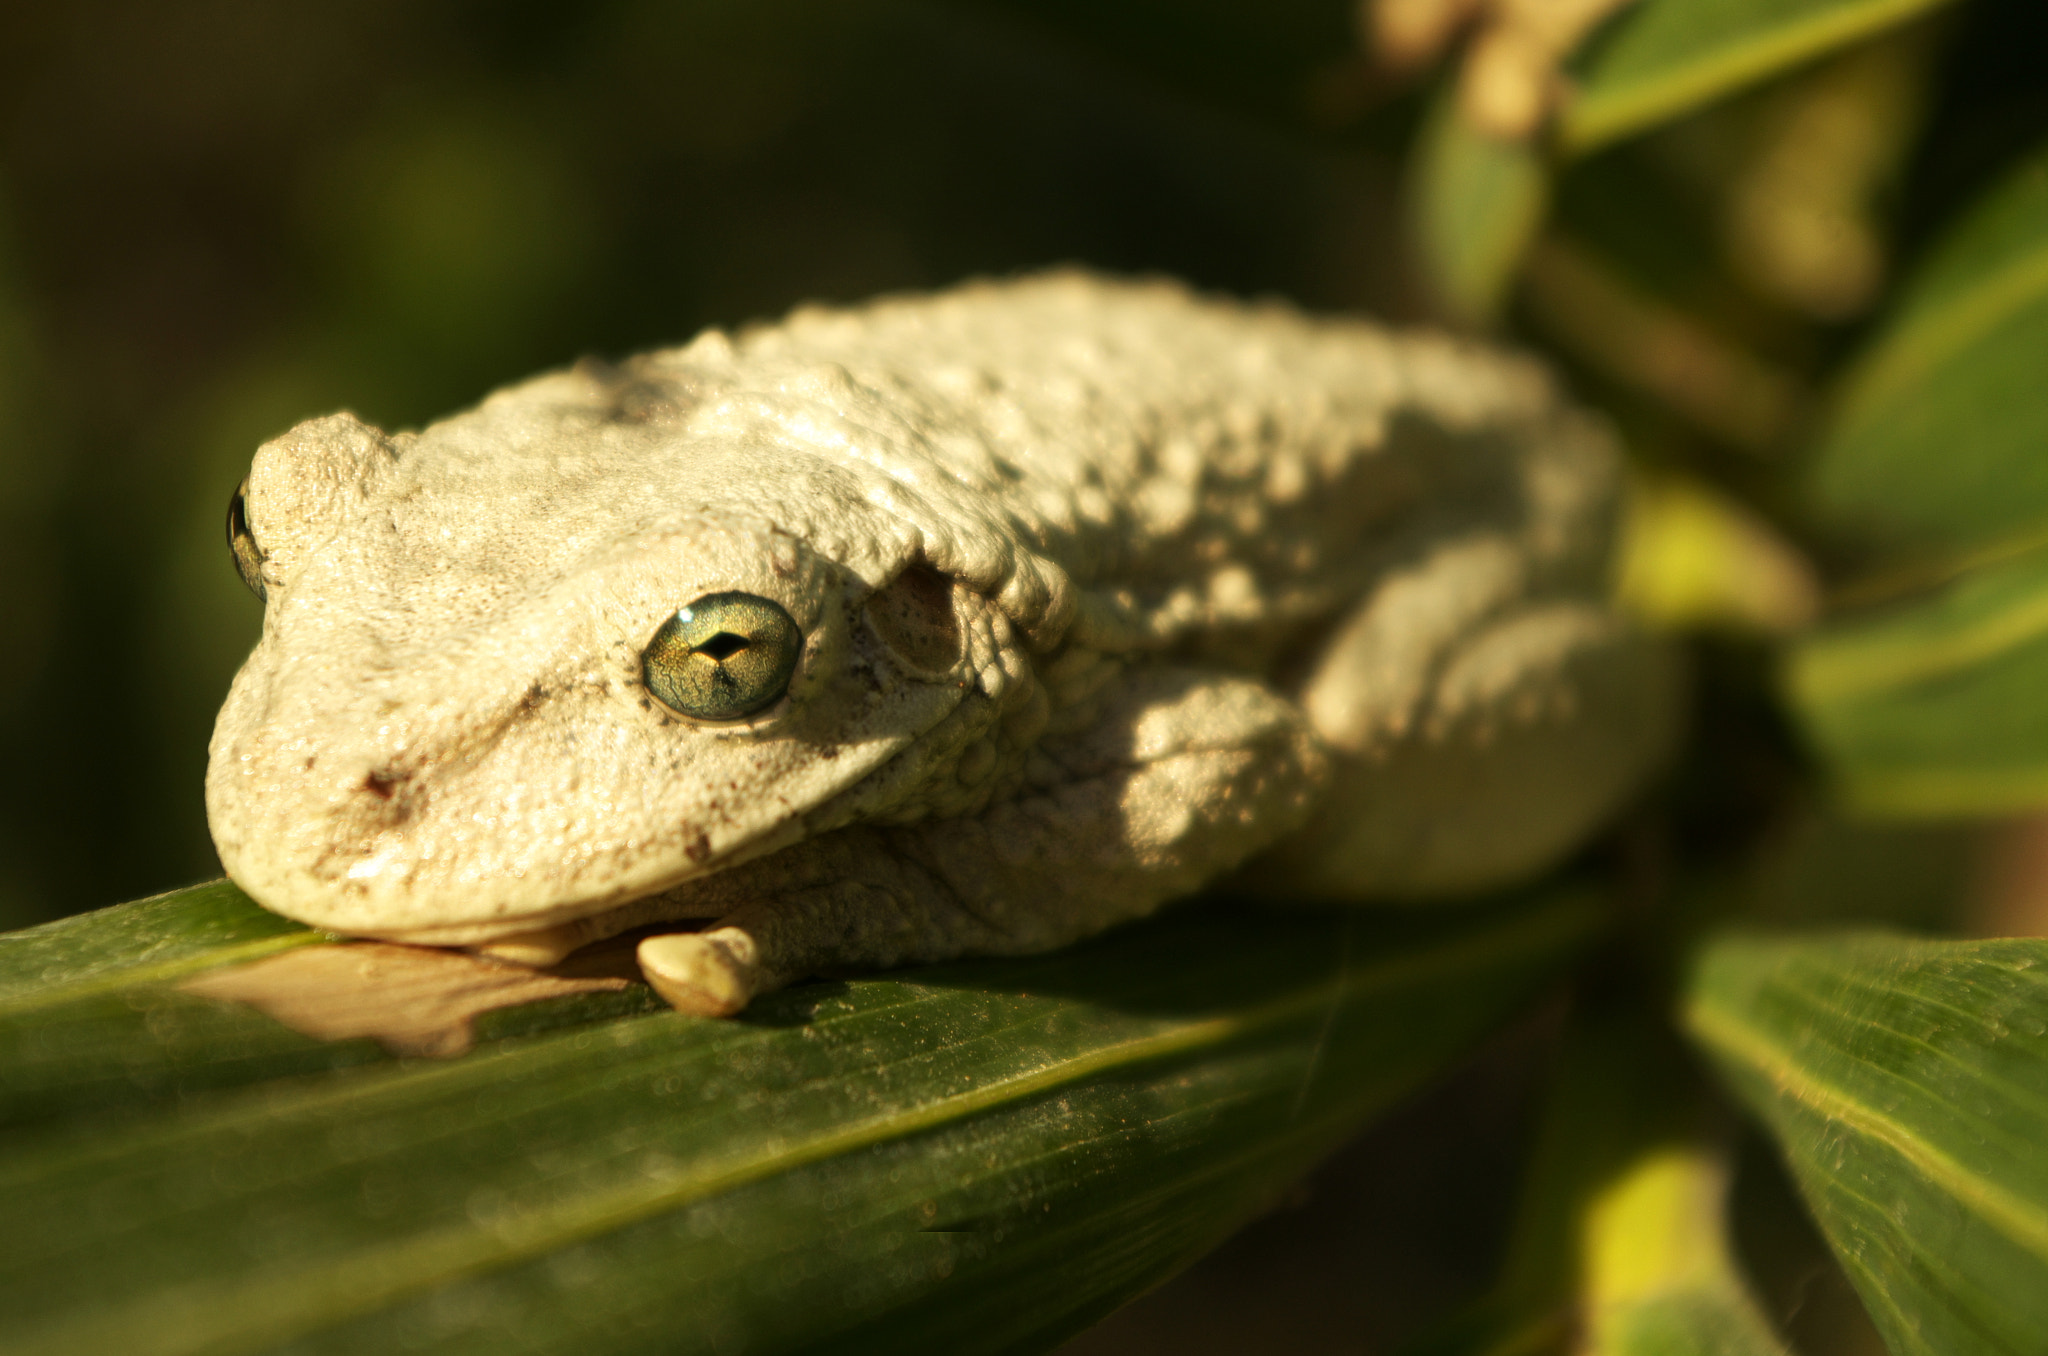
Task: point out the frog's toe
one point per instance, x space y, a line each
706 974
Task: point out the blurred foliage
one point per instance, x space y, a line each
1938 433
1793 248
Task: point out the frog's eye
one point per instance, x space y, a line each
242 542
724 656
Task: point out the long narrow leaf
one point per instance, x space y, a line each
164 937
1935 708
1940 428
89 1017
1660 1278
1662 58
976 1158
1907 1085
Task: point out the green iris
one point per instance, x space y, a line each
724 656
242 542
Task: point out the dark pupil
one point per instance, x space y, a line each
723 646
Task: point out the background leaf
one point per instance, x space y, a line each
881 1164
1907 1084
1662 58
1941 426
1477 201
1934 708
1660 1275
1621 1243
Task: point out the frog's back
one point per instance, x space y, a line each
1193 467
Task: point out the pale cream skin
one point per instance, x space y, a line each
1104 590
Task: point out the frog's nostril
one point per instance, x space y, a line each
382 782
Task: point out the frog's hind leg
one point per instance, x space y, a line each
1172 777
1501 743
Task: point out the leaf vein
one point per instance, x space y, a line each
2021 1220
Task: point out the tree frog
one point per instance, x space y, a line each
962 624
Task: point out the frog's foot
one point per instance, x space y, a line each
706 974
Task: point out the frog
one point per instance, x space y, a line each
959 624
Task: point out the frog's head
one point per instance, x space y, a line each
499 692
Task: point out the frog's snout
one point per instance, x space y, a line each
343 807
371 810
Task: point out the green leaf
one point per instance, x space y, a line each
1936 707
1662 58
980 1157
1906 1083
1478 200
1660 1274
91 1018
1621 1236
1940 427
88 1017
166 936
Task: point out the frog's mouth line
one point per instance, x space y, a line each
546 946
543 937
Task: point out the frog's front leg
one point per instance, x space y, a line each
1178 776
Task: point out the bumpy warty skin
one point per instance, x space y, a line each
984 509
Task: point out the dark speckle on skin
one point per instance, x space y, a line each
698 847
530 702
382 782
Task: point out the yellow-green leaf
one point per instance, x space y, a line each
1940 706
1660 1277
981 1157
1662 58
1941 427
1906 1083
1692 557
